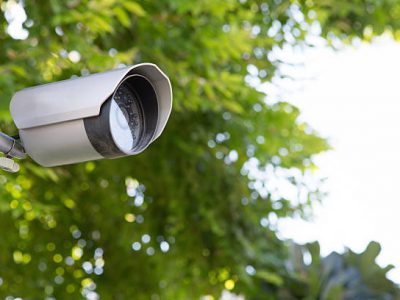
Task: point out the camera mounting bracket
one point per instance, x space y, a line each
11 148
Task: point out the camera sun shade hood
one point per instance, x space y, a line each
50 117
83 97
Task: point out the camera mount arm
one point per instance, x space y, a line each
11 148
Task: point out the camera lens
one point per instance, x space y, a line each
126 118
127 121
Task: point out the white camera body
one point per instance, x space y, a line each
105 115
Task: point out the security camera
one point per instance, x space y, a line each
105 115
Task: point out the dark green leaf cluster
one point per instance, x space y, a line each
348 276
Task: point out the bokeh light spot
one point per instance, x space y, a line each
229 284
130 218
136 246
76 253
57 258
164 246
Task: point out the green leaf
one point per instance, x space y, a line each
134 8
122 16
270 277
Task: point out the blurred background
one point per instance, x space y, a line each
275 177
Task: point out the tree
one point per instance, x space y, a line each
194 214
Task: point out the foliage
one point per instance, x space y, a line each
182 219
348 276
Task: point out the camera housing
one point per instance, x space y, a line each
104 115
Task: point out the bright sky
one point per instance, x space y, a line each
354 99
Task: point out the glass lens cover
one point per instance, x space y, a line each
126 118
